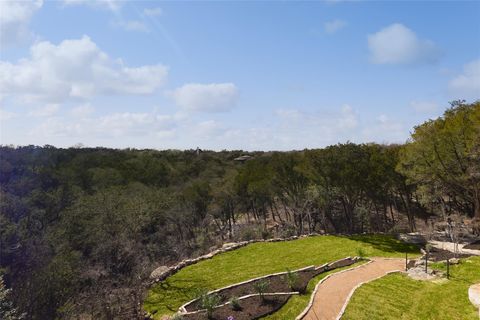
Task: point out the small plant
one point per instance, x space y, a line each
261 287
235 303
361 253
292 279
209 302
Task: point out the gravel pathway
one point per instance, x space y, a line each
334 293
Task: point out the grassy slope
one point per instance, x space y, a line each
398 297
260 259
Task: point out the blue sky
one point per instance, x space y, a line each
231 75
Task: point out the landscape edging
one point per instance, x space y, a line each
243 298
349 297
310 303
183 309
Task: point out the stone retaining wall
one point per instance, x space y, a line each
163 272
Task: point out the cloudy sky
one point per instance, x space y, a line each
231 75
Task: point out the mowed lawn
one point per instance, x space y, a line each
259 259
398 297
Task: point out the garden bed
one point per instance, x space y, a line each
276 283
473 246
437 254
252 307
277 289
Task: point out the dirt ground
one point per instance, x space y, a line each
333 293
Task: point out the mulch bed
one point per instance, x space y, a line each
473 246
437 254
277 283
252 308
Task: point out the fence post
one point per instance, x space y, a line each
406 261
426 261
448 268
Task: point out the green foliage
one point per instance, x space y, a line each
261 287
7 310
235 303
209 302
443 159
361 253
292 279
79 226
260 259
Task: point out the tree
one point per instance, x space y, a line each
443 159
291 183
7 310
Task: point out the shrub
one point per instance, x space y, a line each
292 279
209 302
235 303
250 232
261 287
361 253
266 234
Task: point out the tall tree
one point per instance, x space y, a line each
443 158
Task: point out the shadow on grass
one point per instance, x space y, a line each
386 243
187 289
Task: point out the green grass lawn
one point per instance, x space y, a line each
264 258
399 297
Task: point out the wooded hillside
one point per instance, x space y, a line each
82 228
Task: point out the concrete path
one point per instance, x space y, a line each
451 247
333 293
474 295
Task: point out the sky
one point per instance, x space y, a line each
270 75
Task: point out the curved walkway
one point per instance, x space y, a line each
333 293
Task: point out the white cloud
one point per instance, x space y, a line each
207 129
213 97
75 69
343 120
397 44
131 25
334 26
424 106
467 84
384 130
300 129
82 111
14 19
153 12
113 5
348 118
45 111
6 115
127 124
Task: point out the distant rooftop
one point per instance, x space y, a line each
243 158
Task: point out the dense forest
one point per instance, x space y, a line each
82 228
